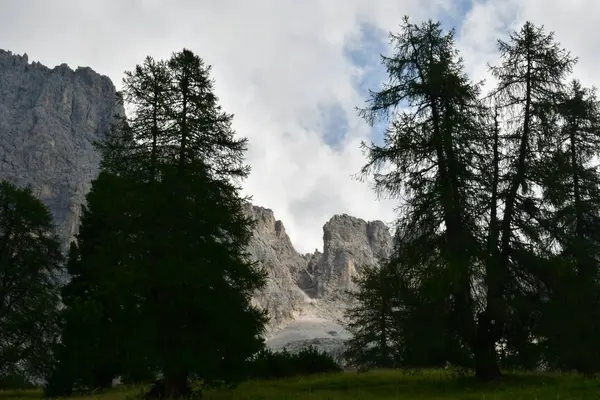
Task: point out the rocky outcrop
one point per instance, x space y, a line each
324 278
349 244
312 284
272 249
49 119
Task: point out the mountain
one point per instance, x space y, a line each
306 294
49 120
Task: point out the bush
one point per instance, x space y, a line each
138 376
268 364
15 382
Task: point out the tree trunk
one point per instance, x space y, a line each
176 384
486 360
102 379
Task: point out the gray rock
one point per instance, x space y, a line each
306 295
349 244
49 119
272 249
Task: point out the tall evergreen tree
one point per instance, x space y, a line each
30 267
430 149
201 136
571 183
96 331
177 271
530 82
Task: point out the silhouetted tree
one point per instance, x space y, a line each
371 321
429 146
530 82
30 267
95 331
571 181
163 240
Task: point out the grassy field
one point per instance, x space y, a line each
385 385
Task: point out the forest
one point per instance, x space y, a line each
497 236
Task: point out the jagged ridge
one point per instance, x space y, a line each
312 288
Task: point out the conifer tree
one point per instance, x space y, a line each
177 269
530 82
571 182
95 328
371 322
429 148
30 268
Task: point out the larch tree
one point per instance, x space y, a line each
530 81
571 188
429 148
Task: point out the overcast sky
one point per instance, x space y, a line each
292 72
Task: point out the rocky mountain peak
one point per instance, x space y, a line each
266 222
273 250
297 280
349 244
49 120
323 278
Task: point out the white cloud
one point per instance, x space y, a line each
277 65
574 23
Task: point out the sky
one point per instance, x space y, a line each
292 72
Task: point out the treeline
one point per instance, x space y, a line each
497 238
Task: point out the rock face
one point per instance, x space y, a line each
305 289
272 248
349 244
49 119
322 279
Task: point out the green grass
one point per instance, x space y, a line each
384 384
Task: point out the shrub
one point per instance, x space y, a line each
15 381
268 364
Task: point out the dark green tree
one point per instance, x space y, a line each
429 147
95 328
400 320
571 183
177 280
530 83
371 321
210 234
30 268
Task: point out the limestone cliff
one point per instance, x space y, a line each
49 119
306 294
349 244
273 250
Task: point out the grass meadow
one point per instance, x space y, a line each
382 384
